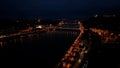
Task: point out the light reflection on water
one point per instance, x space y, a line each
46 48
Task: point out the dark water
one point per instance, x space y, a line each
38 49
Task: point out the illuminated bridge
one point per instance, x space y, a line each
69 26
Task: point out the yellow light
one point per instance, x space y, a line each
39 27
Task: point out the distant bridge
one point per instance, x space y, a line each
69 26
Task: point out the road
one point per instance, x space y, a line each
75 54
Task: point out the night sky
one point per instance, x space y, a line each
57 8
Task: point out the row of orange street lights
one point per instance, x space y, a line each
106 35
24 31
75 54
21 32
69 57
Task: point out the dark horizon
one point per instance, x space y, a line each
73 9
